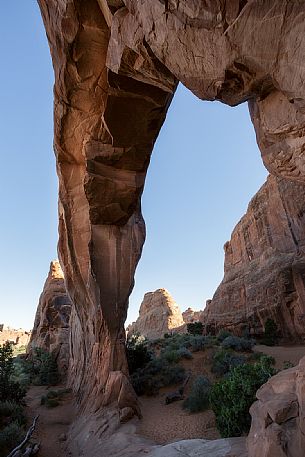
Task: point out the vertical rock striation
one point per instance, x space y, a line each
265 265
106 122
105 128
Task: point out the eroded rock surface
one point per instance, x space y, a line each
278 428
190 315
265 265
51 330
106 122
158 314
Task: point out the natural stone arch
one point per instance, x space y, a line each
106 122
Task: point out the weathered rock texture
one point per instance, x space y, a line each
158 314
190 315
18 337
52 321
106 122
278 428
265 265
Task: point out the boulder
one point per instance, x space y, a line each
278 417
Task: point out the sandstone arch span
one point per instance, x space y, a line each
116 68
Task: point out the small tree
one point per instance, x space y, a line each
195 328
232 397
270 337
137 352
9 389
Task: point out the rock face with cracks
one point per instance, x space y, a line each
116 67
277 428
51 330
264 266
158 314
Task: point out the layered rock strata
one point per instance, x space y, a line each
51 330
106 122
158 314
264 266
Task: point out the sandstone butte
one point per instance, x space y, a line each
158 314
116 68
51 330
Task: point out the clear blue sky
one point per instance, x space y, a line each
204 170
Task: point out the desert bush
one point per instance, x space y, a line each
237 343
198 399
156 374
270 337
11 411
195 328
46 368
53 397
9 389
232 397
224 361
137 352
184 353
287 364
199 342
223 334
10 437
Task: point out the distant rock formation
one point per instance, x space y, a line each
18 337
264 265
51 328
158 314
190 315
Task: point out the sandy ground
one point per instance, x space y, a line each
282 354
166 423
161 423
52 422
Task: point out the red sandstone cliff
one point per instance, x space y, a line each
116 66
265 265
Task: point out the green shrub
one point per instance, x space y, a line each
53 397
156 374
11 411
199 342
41 368
10 437
238 344
195 328
170 355
184 353
137 352
232 397
224 361
287 364
9 389
270 337
222 334
198 400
